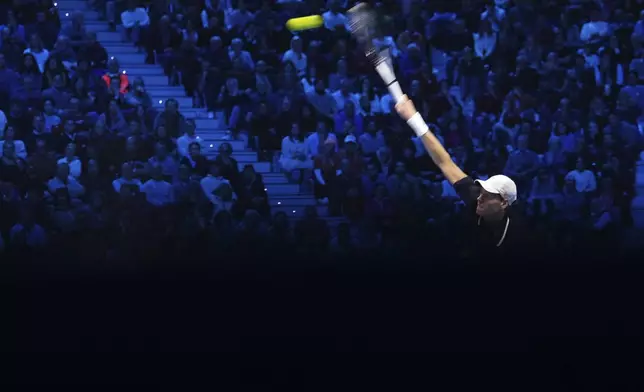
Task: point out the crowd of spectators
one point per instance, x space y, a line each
547 92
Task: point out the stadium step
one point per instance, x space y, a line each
140 71
297 212
293 201
283 195
119 50
184 102
109 37
282 189
212 146
154 80
72 5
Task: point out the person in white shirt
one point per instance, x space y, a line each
494 14
64 180
594 29
372 140
334 18
237 53
184 141
343 94
134 19
585 180
19 145
37 50
127 178
315 141
158 192
217 189
237 19
484 40
295 56
367 91
294 154
70 158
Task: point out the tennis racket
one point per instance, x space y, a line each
363 22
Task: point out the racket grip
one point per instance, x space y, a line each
389 77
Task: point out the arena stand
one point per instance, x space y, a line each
552 101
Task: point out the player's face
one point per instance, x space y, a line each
489 204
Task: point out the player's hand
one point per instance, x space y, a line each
405 108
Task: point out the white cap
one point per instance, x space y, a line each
350 139
500 185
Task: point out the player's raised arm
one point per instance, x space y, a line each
437 152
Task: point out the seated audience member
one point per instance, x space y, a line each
372 140
218 189
252 194
26 233
135 21
70 158
114 75
174 122
584 179
294 152
197 162
126 179
19 145
63 179
185 140
158 191
169 165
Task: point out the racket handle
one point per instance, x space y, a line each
389 77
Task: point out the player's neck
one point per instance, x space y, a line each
493 218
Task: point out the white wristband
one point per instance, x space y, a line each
418 124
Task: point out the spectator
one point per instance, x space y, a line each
170 118
185 140
197 162
333 17
93 52
237 18
75 30
135 22
38 52
218 189
126 180
294 152
19 145
114 75
27 234
584 179
252 194
64 52
63 179
158 191
295 56
167 163
74 163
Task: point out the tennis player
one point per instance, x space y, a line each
492 225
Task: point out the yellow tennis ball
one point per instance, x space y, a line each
305 23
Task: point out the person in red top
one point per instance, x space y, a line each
114 72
